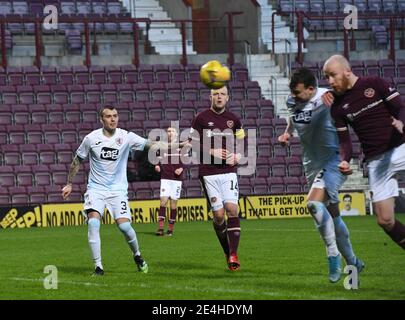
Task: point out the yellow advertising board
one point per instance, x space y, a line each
187 210
251 207
352 203
71 214
20 217
276 206
65 214
294 205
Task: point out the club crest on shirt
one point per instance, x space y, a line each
118 141
369 93
230 124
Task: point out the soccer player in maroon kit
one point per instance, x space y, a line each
171 170
215 130
377 115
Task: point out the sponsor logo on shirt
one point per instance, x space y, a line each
210 124
109 154
346 106
98 142
301 116
211 134
369 93
351 116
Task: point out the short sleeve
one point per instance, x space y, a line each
84 148
386 91
136 142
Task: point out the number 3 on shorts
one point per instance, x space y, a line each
123 207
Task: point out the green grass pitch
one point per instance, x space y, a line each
280 259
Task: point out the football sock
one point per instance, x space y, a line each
220 230
130 236
233 234
324 223
162 217
397 234
94 240
172 220
343 241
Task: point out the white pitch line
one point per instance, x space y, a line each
187 288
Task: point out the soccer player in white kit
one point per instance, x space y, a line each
107 149
319 141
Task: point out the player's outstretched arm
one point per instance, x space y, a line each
162 145
74 168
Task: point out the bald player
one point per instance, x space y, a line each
376 113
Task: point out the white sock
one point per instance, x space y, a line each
94 241
325 226
130 236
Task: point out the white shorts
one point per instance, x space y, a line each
328 178
116 203
382 171
170 189
222 188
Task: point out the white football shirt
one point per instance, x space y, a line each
108 158
316 130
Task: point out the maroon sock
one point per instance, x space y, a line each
162 217
397 234
172 220
220 230
233 234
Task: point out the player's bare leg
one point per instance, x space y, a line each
233 230
384 211
125 227
220 228
93 235
162 215
324 223
172 218
343 238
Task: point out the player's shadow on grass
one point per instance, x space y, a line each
186 265
150 233
75 270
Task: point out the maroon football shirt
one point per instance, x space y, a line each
212 127
368 108
170 161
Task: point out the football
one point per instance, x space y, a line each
214 75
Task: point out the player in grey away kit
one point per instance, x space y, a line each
319 142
